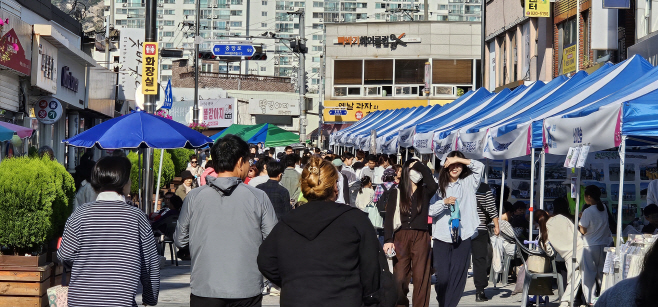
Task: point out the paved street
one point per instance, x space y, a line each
175 291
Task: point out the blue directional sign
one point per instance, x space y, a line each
233 50
337 112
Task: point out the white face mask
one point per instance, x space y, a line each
415 176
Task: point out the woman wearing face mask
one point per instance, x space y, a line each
454 210
411 240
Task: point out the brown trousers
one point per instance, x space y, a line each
412 260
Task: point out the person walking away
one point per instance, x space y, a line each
595 228
365 194
86 192
186 186
279 196
556 235
638 291
379 170
369 169
223 223
488 213
110 244
454 225
411 240
323 253
290 177
262 176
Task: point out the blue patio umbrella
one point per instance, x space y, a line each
140 130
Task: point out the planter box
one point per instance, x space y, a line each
33 261
23 286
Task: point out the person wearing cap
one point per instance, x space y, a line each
186 187
343 188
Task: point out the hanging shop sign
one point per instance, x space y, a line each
48 110
44 72
68 81
150 69
130 61
537 8
387 41
12 53
217 112
569 59
357 109
274 106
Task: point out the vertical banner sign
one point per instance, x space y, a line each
537 8
428 77
569 59
150 69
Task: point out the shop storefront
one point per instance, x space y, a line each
378 66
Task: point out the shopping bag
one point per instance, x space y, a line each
58 296
373 215
538 264
498 251
397 221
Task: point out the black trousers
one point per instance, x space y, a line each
451 265
481 261
198 301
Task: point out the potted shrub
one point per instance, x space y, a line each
180 157
167 170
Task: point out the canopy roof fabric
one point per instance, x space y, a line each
139 130
268 134
8 130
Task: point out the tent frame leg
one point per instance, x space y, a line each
575 238
502 188
542 177
532 193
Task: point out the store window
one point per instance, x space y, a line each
566 41
347 72
452 72
378 72
409 71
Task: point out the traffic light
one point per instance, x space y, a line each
206 55
171 53
298 46
258 56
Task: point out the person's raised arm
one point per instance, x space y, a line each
428 179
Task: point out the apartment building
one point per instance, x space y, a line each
230 19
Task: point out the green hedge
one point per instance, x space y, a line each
35 200
180 157
167 170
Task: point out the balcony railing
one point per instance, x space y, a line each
237 76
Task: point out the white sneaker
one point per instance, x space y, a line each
274 291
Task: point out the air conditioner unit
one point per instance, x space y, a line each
159 16
215 16
388 18
214 5
125 5
160 5
342 20
336 19
161 27
291 8
321 20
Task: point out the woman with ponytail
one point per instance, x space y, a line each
365 194
322 253
594 225
455 224
410 240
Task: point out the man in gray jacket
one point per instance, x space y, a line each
224 224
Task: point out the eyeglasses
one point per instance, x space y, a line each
193 162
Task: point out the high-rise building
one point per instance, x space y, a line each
231 19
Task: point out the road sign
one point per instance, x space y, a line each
169 98
338 112
150 68
233 50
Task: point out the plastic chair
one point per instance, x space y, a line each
530 276
167 237
503 276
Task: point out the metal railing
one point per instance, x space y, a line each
237 76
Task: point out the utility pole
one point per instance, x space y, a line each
246 70
301 76
195 110
149 107
321 98
483 18
110 23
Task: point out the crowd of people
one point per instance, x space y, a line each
318 228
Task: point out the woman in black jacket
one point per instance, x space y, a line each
322 253
411 241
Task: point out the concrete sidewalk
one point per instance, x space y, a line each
175 291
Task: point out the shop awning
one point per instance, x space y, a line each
50 34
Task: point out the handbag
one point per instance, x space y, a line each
538 264
397 222
58 296
373 215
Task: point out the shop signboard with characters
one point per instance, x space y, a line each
48 110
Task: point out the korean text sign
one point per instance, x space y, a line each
150 69
537 8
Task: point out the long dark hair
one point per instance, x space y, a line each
444 174
595 193
561 207
406 190
541 217
364 182
648 278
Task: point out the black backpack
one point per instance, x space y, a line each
383 199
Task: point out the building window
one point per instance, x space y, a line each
188 1
263 3
263 25
566 39
317 48
236 13
165 78
318 4
236 2
189 12
347 71
169 45
452 72
168 22
168 34
117 59
206 67
122 11
317 37
409 71
263 13
316 59
317 26
378 72
166 67
236 23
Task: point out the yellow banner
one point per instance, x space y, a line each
358 109
569 59
150 68
537 8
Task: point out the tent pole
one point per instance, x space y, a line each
139 166
622 157
532 192
542 177
157 189
576 232
502 188
486 171
436 167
